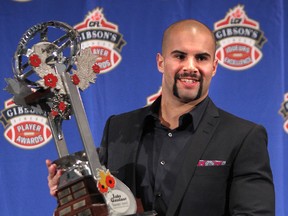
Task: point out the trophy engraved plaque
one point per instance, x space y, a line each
49 69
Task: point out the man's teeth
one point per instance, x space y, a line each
188 80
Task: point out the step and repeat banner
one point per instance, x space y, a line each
251 81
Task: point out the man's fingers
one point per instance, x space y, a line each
53 190
52 169
53 177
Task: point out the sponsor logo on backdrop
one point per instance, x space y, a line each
103 37
150 99
239 40
284 112
24 127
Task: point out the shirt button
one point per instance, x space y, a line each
170 134
162 162
158 194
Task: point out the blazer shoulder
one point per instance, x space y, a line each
228 117
233 121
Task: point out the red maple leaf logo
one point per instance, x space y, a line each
238 13
97 16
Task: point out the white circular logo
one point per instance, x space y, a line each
118 201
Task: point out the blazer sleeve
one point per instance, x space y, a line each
252 189
103 149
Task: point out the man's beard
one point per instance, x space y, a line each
190 75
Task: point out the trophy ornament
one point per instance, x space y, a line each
49 69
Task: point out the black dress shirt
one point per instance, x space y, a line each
160 156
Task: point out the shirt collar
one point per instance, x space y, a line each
196 113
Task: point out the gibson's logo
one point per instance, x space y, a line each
24 127
284 112
239 40
103 38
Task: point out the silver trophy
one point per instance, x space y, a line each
49 69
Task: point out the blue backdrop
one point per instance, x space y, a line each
251 80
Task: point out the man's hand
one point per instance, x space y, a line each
53 177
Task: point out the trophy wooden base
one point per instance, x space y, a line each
82 198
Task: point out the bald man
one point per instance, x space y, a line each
182 155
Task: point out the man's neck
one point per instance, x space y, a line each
170 111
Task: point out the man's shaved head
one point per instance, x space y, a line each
186 25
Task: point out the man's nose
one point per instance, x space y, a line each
190 65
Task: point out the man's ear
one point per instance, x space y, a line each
160 62
215 65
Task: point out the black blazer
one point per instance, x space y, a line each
243 186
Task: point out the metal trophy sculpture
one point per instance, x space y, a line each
49 68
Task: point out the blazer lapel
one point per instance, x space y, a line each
134 140
192 156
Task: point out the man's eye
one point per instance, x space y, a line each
201 58
181 57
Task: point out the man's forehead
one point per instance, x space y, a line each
189 38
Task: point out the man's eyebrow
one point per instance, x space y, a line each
184 53
178 52
203 54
